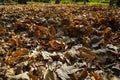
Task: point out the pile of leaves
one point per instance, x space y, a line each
58 42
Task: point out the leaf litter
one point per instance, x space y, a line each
58 42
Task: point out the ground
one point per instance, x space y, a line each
59 42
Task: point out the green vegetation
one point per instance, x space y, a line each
88 2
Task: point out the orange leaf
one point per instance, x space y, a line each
17 55
56 46
97 76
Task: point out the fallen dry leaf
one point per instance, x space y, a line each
17 55
59 42
97 76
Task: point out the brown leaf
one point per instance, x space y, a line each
83 74
56 45
107 32
100 19
41 32
85 41
14 42
17 55
115 36
76 21
1 42
52 32
97 76
87 54
50 75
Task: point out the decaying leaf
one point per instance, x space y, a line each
41 32
14 42
50 75
10 72
97 76
59 42
20 76
114 78
115 36
107 32
17 55
87 54
46 55
112 48
65 70
56 45
83 74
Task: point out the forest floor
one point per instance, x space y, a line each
59 42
